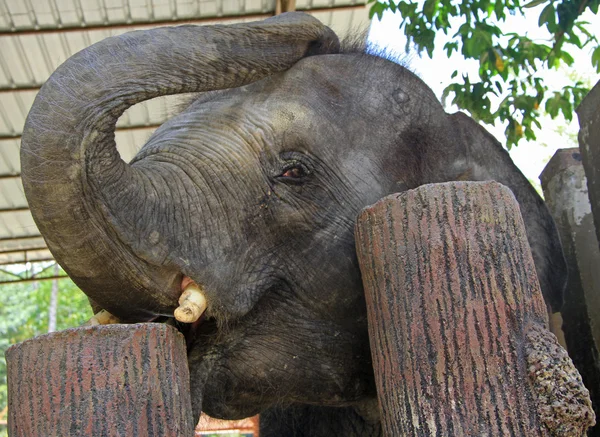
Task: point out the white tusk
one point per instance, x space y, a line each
192 304
102 317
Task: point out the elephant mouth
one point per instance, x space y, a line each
209 339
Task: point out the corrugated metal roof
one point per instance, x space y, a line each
36 36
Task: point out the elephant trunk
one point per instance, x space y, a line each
74 179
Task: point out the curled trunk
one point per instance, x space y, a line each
74 178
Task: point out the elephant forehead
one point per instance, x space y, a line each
365 82
291 114
339 76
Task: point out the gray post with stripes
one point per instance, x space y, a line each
457 322
110 380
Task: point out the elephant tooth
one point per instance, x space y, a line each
192 304
102 317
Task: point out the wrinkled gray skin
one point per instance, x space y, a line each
252 192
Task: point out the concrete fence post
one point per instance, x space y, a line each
566 193
110 380
457 322
589 144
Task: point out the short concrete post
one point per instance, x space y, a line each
566 194
111 380
457 321
589 143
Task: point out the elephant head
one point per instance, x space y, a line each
252 192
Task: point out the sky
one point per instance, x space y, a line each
531 157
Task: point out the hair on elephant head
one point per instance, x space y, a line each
251 192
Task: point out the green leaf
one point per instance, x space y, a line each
553 105
567 109
430 7
534 3
377 9
499 10
552 60
596 59
567 58
582 29
548 17
574 39
450 48
479 43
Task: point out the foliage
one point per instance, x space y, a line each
509 63
24 309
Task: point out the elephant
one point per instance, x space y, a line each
252 192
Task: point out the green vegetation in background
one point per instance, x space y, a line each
510 64
25 308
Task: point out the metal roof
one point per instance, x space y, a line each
36 36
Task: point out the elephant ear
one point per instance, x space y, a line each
482 158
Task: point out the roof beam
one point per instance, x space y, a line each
176 22
23 237
20 281
118 129
25 261
19 88
281 6
23 250
15 209
133 24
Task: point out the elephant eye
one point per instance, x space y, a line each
294 173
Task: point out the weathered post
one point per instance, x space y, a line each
457 321
566 193
109 380
589 143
